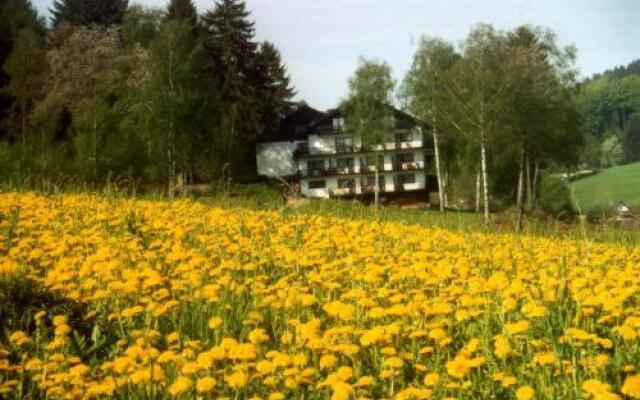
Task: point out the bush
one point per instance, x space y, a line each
555 197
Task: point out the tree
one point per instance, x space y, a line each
80 81
631 138
230 62
540 76
367 107
183 10
15 16
171 98
423 89
476 94
88 12
275 90
25 68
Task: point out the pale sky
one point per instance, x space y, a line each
322 40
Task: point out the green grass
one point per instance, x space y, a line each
612 185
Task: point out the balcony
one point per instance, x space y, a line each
345 170
372 189
336 192
314 173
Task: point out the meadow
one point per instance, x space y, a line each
609 187
107 296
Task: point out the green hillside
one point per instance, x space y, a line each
621 183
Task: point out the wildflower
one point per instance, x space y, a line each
517 328
215 322
631 386
258 335
525 393
18 338
181 385
205 385
431 379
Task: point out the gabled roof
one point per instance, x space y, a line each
325 123
303 120
295 125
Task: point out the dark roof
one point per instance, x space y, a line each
303 120
325 123
294 126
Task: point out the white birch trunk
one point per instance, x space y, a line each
520 196
478 190
485 178
438 172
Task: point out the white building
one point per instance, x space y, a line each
330 162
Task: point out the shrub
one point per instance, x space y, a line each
555 197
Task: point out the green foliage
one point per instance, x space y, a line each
631 138
182 10
88 12
367 105
612 151
555 197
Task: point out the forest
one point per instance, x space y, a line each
107 91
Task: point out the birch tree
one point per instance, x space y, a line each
368 113
475 94
423 90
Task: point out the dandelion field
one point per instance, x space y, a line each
139 299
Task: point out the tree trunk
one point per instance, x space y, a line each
376 189
445 188
95 145
485 178
534 186
438 173
23 112
527 165
478 190
520 199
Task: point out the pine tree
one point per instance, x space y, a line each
15 16
87 12
183 10
231 53
275 91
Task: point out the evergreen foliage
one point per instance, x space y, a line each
88 12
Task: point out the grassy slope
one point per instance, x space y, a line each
621 183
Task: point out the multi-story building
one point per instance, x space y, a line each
329 161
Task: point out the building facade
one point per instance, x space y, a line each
328 161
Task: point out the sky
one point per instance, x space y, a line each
321 41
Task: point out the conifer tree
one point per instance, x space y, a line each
275 91
230 53
183 10
87 12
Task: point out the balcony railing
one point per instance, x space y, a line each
316 172
306 151
334 192
346 170
372 189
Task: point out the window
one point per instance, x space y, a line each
317 184
338 123
406 178
345 163
344 145
404 157
347 183
403 137
369 181
315 165
369 161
